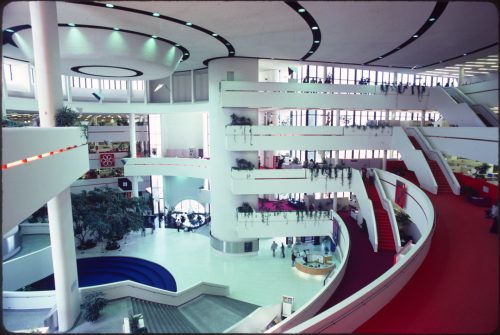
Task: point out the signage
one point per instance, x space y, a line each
107 160
400 198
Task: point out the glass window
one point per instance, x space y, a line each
362 154
341 154
343 76
348 154
405 78
385 77
351 76
189 205
359 75
373 77
105 84
321 73
369 154
355 154
391 77
336 75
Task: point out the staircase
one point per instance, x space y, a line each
384 228
205 314
160 318
443 186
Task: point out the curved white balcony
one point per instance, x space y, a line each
167 166
307 138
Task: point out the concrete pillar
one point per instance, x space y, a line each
223 201
192 86
461 75
129 91
337 118
384 161
335 201
422 120
48 82
69 91
146 91
99 82
171 90
5 95
133 152
335 157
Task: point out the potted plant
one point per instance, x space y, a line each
92 306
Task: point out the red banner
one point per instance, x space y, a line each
400 198
107 160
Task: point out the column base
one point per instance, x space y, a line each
235 247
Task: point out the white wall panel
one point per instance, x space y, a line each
181 167
33 267
116 133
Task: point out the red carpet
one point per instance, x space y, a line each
363 265
456 288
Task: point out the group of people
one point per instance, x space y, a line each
274 246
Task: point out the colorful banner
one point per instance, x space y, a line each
107 160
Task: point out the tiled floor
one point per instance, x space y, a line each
260 280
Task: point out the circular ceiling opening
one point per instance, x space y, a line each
106 71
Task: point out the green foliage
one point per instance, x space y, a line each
8 123
39 216
106 213
92 306
66 117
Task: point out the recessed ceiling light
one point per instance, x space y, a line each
177 45
231 52
115 28
228 43
155 14
311 52
215 34
301 10
380 57
432 19
9 30
465 54
415 36
154 36
189 24
316 41
109 5
186 54
314 28
71 24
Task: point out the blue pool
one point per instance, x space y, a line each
109 269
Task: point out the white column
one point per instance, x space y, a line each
68 89
146 91
133 152
335 201
5 95
223 201
335 157
422 120
386 115
337 118
50 98
99 82
171 86
461 75
129 91
192 86
384 161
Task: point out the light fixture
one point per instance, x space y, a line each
115 28
228 43
189 24
415 36
301 10
465 54
155 14
109 5
186 54
71 24
97 97
314 28
177 45
154 36
231 52
432 19
311 52
158 87
9 30
316 41
380 57
215 34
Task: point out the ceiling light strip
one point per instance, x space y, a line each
436 13
457 57
313 25
230 49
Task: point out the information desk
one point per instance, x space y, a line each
314 266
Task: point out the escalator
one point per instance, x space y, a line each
487 117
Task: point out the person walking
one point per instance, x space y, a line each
282 250
273 248
293 258
178 224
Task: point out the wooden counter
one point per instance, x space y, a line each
323 270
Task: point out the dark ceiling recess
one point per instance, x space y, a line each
436 13
15 29
311 22
78 69
230 49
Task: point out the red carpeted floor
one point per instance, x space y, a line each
456 288
363 266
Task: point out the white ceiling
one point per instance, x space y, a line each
352 32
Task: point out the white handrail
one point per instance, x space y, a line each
387 204
436 156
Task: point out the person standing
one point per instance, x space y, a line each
273 248
293 258
282 250
178 224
